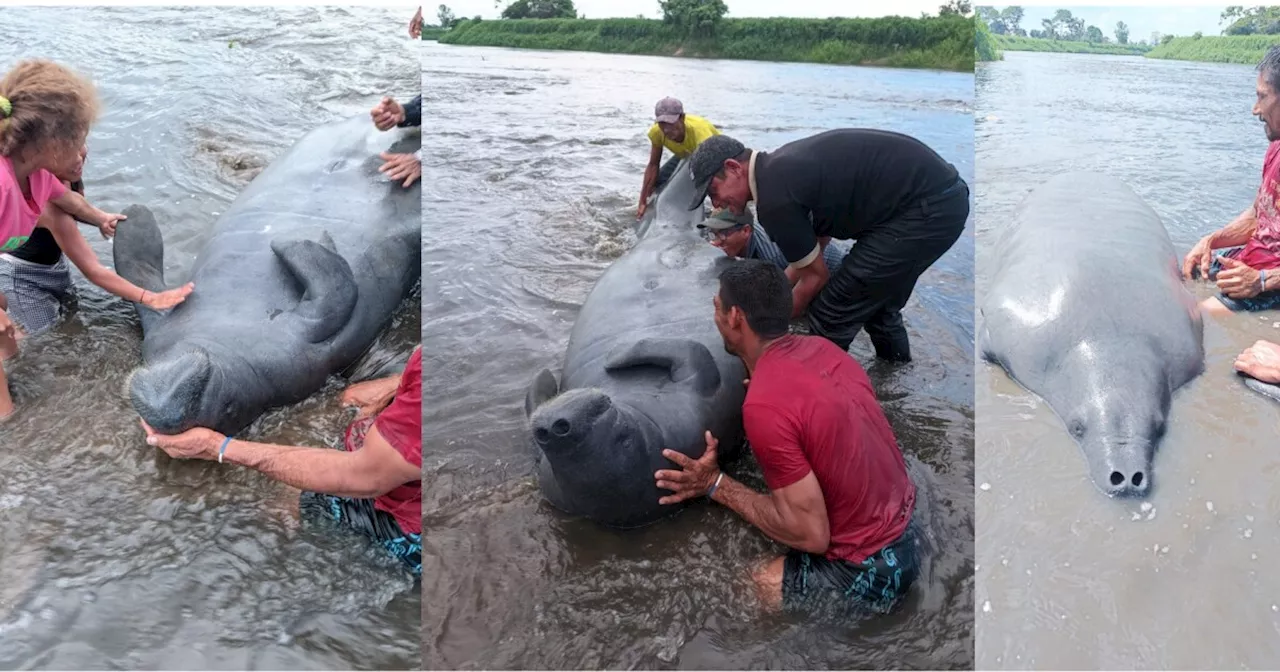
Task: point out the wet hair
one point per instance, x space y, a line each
50 105
1270 68
760 290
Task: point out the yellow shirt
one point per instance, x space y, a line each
696 129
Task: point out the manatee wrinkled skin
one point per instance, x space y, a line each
645 370
295 283
1087 308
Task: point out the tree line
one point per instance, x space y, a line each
1063 25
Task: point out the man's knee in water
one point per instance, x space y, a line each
1214 306
768 582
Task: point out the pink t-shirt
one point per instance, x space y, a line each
1263 250
18 216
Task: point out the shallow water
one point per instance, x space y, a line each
1066 577
112 554
530 193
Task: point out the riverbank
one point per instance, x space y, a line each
1007 43
941 43
432 32
1244 49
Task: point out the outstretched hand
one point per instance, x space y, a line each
167 299
1261 360
1200 257
107 223
196 443
1237 280
387 114
694 478
405 167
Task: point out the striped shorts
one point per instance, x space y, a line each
35 292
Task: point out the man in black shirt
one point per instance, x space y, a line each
902 202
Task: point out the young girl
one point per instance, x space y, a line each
45 114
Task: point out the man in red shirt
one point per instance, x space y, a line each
840 495
1247 274
374 486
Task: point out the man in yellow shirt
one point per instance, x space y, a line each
679 132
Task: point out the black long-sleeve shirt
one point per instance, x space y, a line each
412 112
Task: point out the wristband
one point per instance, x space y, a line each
223 449
715 485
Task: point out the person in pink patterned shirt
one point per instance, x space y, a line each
1247 271
45 114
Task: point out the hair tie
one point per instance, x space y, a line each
6 107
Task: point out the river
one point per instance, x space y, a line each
529 195
112 555
1067 578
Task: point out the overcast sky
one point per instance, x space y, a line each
600 9
1142 21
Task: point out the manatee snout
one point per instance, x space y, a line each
168 394
1121 470
568 422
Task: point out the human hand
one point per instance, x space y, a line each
415 25
401 166
1200 256
370 396
695 479
1260 360
8 330
167 299
387 114
1237 280
107 222
197 443
642 208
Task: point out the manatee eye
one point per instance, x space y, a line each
1076 427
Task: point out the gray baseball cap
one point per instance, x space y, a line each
707 160
725 219
668 110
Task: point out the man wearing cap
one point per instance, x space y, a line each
902 202
741 237
679 132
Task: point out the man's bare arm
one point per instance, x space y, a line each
795 515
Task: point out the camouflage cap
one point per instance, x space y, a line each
725 219
668 110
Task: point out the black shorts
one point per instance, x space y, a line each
878 583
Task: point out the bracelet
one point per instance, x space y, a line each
223 449
715 485
143 296
1262 279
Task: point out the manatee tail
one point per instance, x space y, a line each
138 254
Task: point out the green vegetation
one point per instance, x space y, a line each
432 32
942 42
984 48
1062 33
1246 49
1006 43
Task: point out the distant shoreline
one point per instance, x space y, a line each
1007 43
934 43
1241 49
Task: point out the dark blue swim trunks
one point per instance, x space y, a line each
878 583
1264 301
361 516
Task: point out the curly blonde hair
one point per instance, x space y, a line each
50 108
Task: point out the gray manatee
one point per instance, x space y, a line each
646 370
1087 309
300 275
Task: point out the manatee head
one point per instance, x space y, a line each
601 451
192 388
1118 425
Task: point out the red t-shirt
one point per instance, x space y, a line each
400 423
810 407
1263 249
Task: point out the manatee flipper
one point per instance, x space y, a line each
543 388
329 289
686 360
1265 389
138 254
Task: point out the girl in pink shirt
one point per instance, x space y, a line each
45 114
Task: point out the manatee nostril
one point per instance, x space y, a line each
541 434
1137 479
560 427
1117 478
